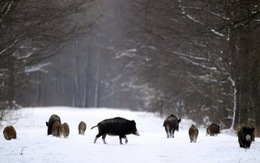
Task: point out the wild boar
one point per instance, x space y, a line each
9 133
53 118
64 130
82 128
116 126
56 129
245 125
245 136
193 133
171 124
213 129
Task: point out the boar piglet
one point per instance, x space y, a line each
193 133
116 126
56 129
64 130
9 133
213 129
82 127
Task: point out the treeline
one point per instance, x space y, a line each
31 33
198 59
202 58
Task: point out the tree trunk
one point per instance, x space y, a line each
11 83
255 92
235 110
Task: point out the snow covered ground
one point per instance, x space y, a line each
33 144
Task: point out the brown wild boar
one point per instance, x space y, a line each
82 128
193 133
9 133
213 130
56 129
64 130
53 118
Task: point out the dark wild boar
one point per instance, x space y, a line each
9 133
213 129
245 136
116 126
53 118
82 127
171 124
193 133
64 130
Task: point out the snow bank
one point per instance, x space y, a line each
33 144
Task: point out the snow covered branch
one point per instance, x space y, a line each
39 67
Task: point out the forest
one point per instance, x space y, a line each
197 59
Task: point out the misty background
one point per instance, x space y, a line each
197 59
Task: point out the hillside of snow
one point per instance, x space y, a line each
33 144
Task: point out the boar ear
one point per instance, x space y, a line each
47 124
244 129
179 120
248 130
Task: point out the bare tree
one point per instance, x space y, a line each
210 46
31 32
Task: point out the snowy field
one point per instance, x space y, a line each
152 146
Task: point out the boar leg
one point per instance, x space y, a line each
82 132
103 138
121 137
172 133
98 135
167 131
126 140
